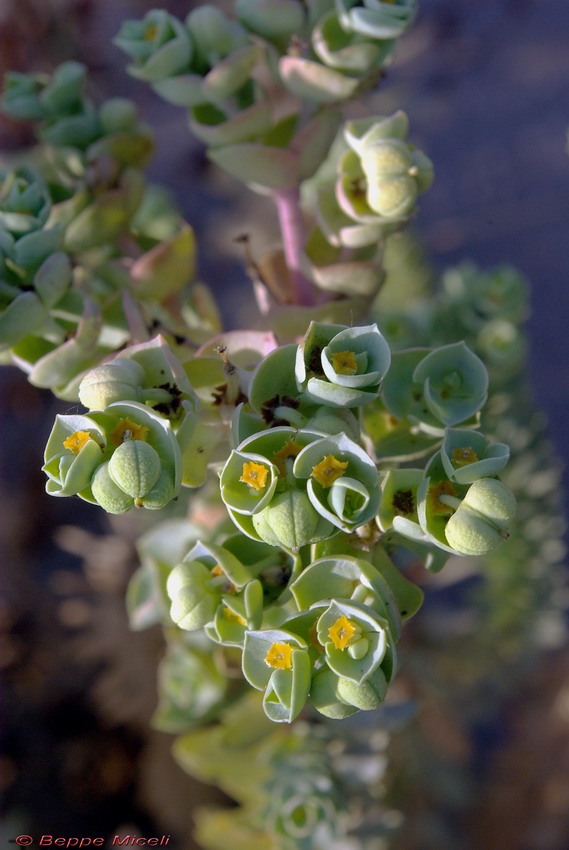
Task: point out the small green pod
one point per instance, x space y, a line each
135 467
108 495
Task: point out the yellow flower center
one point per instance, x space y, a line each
443 488
76 441
127 430
344 363
232 617
342 632
462 457
279 656
328 470
228 587
150 33
254 474
290 449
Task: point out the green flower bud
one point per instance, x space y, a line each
159 44
480 522
382 174
194 599
277 662
119 380
210 586
135 467
109 495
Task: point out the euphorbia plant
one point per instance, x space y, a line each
332 454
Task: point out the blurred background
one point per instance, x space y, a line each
486 88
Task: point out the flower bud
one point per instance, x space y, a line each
119 380
480 523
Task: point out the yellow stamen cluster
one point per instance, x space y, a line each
443 488
328 470
462 457
76 441
254 474
290 449
279 656
344 363
126 429
232 617
150 33
342 632
228 587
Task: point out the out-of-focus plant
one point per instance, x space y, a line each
341 454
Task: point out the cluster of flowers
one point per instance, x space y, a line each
211 65
307 588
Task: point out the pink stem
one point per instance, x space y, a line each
292 230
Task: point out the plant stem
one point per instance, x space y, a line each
292 230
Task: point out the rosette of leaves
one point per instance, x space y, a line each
97 154
379 178
311 813
34 273
277 662
340 366
204 65
432 389
212 587
122 457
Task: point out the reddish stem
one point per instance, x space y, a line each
292 230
